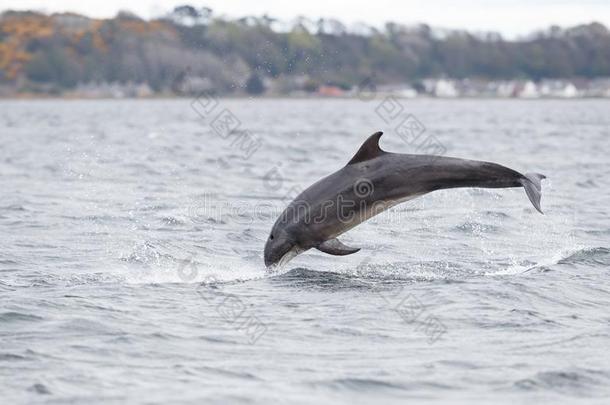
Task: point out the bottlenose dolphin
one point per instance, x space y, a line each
372 182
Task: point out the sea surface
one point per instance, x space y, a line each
131 268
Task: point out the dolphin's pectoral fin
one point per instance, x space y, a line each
335 247
370 149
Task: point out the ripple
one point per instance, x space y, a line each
599 256
12 357
477 228
360 384
306 278
14 207
172 221
39 388
229 373
570 381
19 316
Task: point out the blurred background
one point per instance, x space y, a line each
544 48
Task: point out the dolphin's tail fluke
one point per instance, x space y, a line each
533 188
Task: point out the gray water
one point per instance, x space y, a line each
131 262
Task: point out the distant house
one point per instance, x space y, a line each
406 92
569 91
558 88
330 91
398 90
445 88
111 90
505 89
597 88
527 90
474 88
191 84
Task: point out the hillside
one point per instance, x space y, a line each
191 50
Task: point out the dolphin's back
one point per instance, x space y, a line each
439 172
403 176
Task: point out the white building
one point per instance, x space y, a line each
529 90
445 88
558 88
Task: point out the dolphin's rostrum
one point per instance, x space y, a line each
373 181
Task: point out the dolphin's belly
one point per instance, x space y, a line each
331 224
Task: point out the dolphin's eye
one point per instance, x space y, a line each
271 237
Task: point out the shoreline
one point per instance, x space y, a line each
36 97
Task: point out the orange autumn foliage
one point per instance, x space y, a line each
19 29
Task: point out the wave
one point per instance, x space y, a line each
544 264
577 382
360 384
13 316
13 357
599 256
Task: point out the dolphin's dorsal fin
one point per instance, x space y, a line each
370 149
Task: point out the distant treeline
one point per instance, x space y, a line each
191 49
